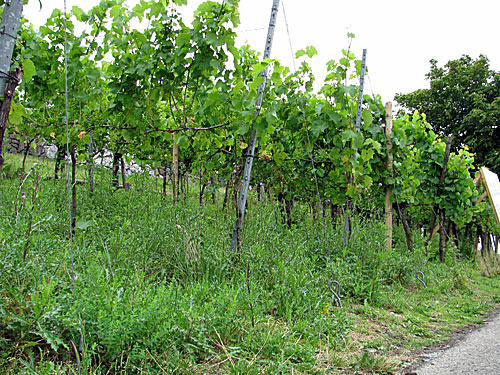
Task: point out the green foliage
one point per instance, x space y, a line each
155 286
463 100
418 165
172 77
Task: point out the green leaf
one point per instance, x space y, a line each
205 7
334 117
78 12
376 145
347 135
366 181
54 341
367 155
351 190
115 11
358 140
261 125
16 114
318 126
358 64
300 53
270 118
260 67
93 75
55 13
182 141
84 224
128 135
157 8
29 69
311 51
254 85
276 78
367 117
243 129
279 157
183 39
236 55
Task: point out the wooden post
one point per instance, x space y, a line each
116 167
164 187
390 158
491 184
476 241
442 236
124 174
175 164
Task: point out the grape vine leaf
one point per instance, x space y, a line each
29 69
84 224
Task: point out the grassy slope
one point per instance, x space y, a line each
157 290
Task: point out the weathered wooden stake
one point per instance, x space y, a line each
124 174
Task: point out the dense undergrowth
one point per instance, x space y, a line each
157 290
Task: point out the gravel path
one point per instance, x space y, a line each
476 353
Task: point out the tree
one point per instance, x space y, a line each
463 100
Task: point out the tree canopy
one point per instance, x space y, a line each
464 101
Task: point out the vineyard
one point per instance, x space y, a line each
164 270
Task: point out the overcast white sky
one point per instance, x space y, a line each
401 36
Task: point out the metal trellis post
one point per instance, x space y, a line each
8 33
347 227
361 87
12 12
253 135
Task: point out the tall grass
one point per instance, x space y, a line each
158 290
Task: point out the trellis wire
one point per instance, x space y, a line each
305 120
371 86
336 294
